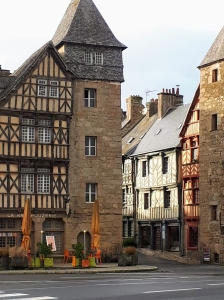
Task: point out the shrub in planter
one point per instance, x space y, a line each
129 242
45 252
18 257
4 258
78 252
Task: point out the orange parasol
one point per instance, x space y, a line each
95 226
26 225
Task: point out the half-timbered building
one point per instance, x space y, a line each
132 136
190 180
60 135
158 176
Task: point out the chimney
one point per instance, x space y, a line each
134 108
167 100
4 72
152 107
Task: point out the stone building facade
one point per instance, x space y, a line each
74 84
211 176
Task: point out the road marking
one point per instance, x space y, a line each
215 283
165 291
12 295
36 298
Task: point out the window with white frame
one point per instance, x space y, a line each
91 192
44 132
93 58
98 58
43 181
47 88
42 87
28 131
88 58
54 90
90 146
90 97
27 180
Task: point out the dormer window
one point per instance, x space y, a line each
95 58
158 131
130 140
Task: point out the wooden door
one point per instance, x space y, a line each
157 237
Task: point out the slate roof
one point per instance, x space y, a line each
18 74
216 52
82 23
5 81
137 132
168 136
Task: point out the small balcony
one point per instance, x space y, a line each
158 213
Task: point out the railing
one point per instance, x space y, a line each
158 213
127 210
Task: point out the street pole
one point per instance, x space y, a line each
84 243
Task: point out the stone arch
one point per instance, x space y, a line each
80 238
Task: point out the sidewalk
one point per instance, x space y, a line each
60 268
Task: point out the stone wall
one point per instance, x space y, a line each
105 169
211 179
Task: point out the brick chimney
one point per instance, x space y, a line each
4 72
167 99
152 107
134 108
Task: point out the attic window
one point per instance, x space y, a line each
95 58
130 140
179 126
158 131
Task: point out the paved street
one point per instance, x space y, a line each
172 281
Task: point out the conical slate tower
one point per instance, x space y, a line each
87 44
216 52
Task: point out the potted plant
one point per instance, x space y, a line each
18 257
4 258
45 252
129 257
78 253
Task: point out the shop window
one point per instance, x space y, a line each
54 227
10 232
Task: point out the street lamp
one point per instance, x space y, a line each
84 243
41 236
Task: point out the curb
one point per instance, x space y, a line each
81 271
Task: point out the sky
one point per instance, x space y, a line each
166 40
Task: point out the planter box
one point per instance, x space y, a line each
127 260
92 262
4 262
85 263
18 262
48 262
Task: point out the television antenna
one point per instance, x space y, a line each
146 94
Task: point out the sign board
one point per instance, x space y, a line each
51 241
206 254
